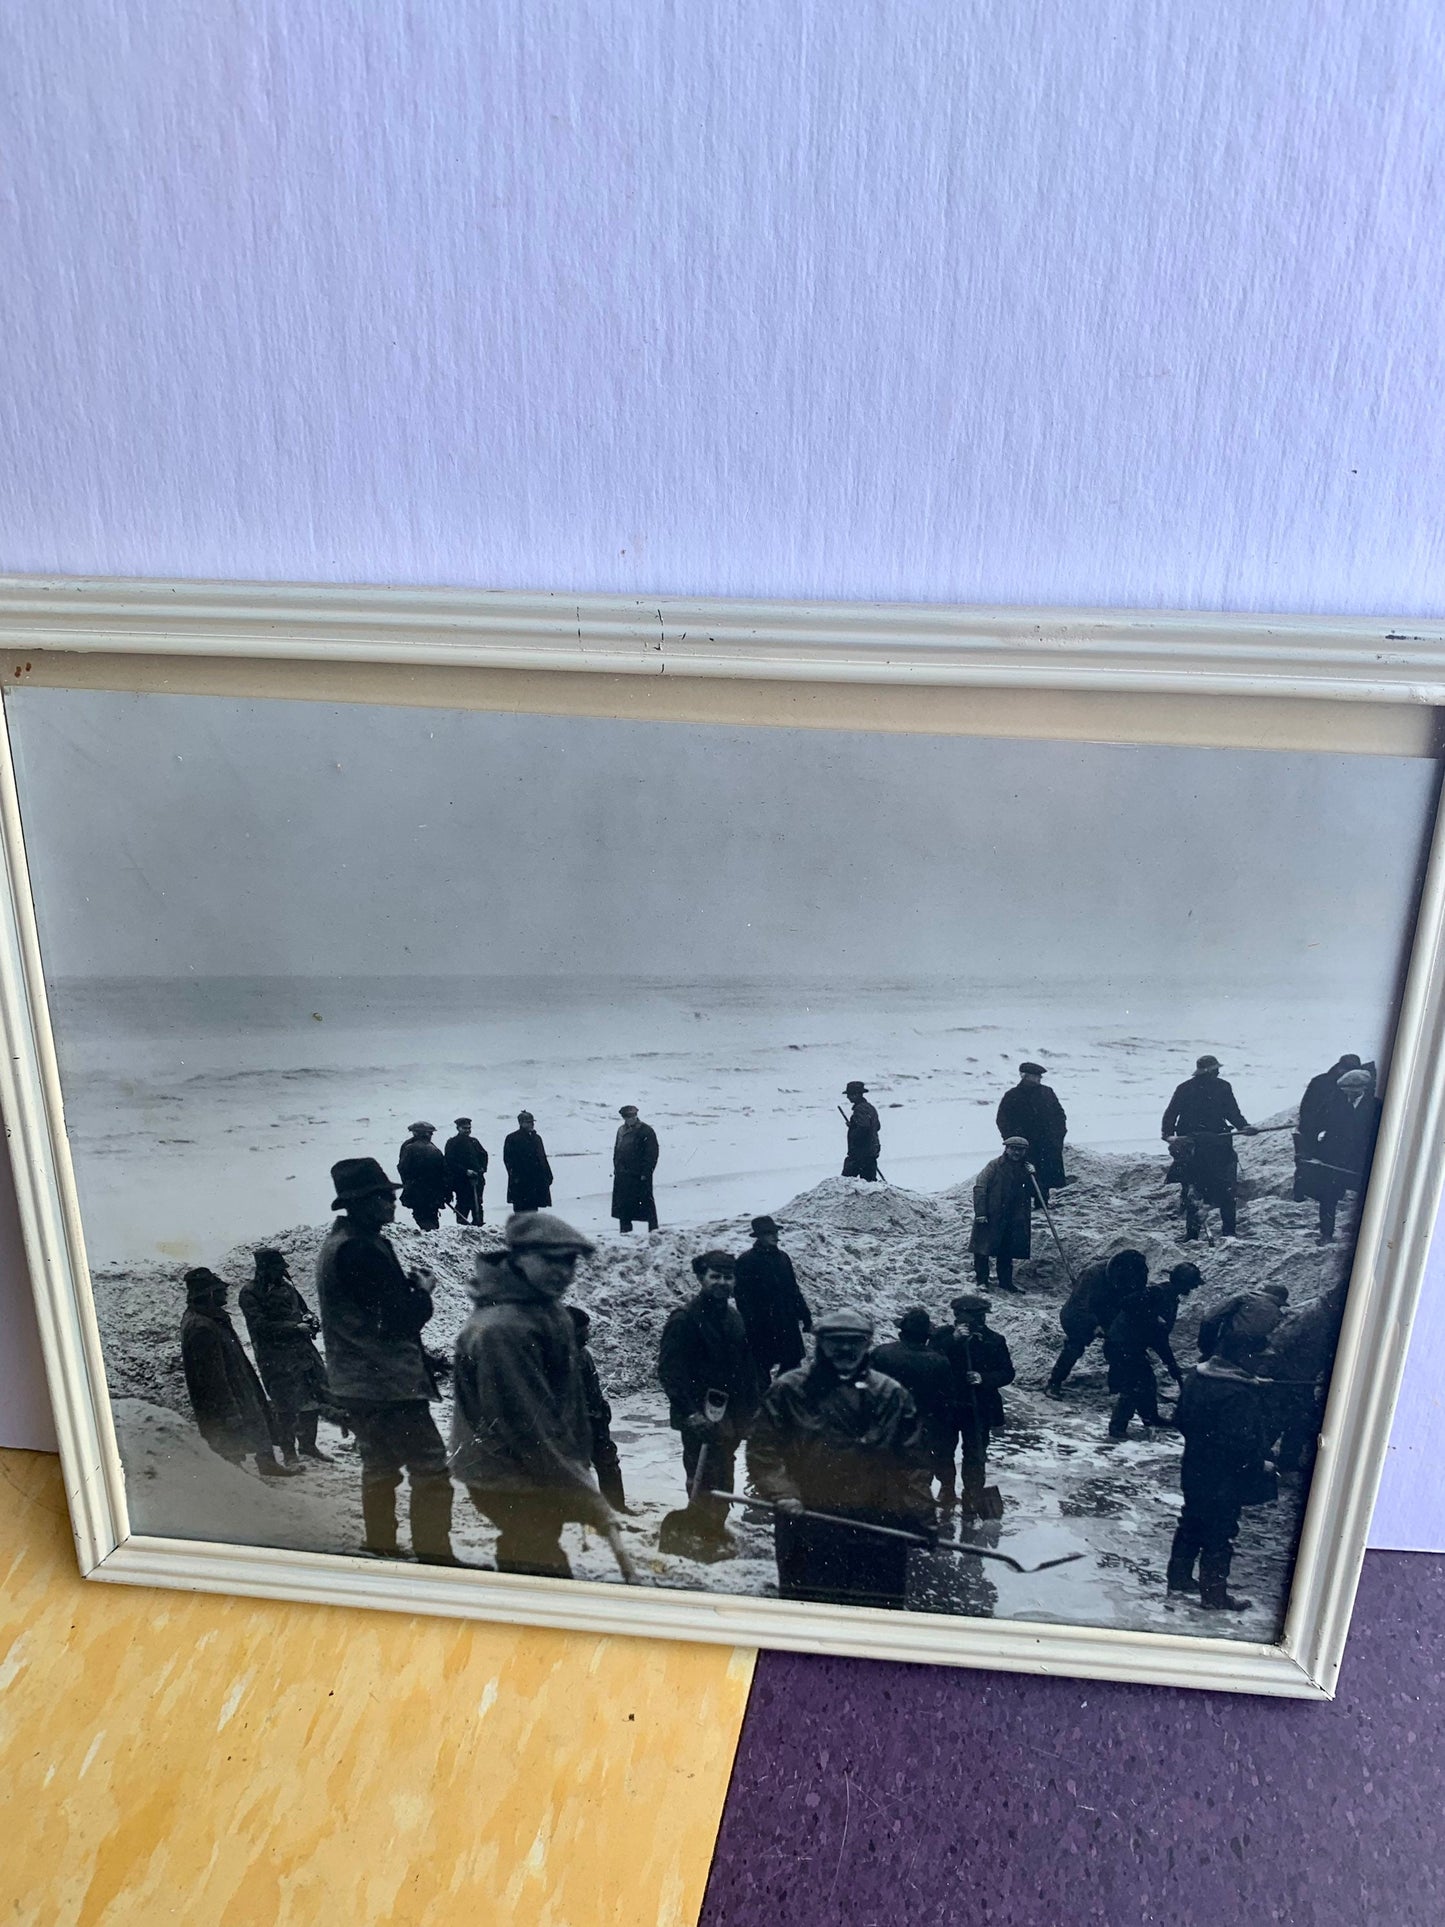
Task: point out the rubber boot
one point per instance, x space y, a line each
378 1514
431 1520
306 1437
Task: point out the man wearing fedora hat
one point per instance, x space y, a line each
864 1134
634 1159
773 1309
425 1182
372 1317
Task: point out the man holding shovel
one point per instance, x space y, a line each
980 1362
1003 1194
706 1367
836 1437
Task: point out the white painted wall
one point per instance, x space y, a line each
1052 301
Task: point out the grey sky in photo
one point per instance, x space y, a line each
182 834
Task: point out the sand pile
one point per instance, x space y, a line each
851 1243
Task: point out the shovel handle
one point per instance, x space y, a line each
895 1532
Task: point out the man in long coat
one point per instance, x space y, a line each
927 1377
425 1182
979 1360
373 1314
1002 1214
836 1436
770 1303
529 1175
283 1329
1334 1154
1223 1468
1297 1364
865 1139
225 1393
521 1435
1199 1123
634 1159
704 1349
1031 1110
466 1162
1315 1103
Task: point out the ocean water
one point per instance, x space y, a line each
205 1111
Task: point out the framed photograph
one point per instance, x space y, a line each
898 1131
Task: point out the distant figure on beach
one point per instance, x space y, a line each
425 1182
927 1377
634 1159
466 1162
704 1356
226 1396
864 1134
1136 1329
521 1435
529 1175
605 1462
1002 1214
1220 1413
1333 1154
837 1437
978 1358
1199 1123
283 1329
770 1302
373 1314
1031 1110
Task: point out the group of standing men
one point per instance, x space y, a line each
434 1176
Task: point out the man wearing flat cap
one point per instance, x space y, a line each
425 1182
634 1159
521 1432
1002 1207
770 1303
865 1145
1031 1110
1199 1123
466 1162
1333 1155
836 1436
981 1365
529 1175
373 1313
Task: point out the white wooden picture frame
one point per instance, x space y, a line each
1261 682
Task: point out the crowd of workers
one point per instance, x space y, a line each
860 1451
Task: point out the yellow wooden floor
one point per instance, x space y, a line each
224 1762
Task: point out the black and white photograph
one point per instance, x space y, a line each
901 1171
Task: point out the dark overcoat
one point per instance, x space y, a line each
978 1407
634 1159
465 1158
772 1307
1033 1111
529 1175
1135 1330
704 1347
927 1377
1343 1147
282 1327
865 1133
1221 1416
372 1316
226 1397
1002 1222
425 1181
1202 1106
1091 1305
